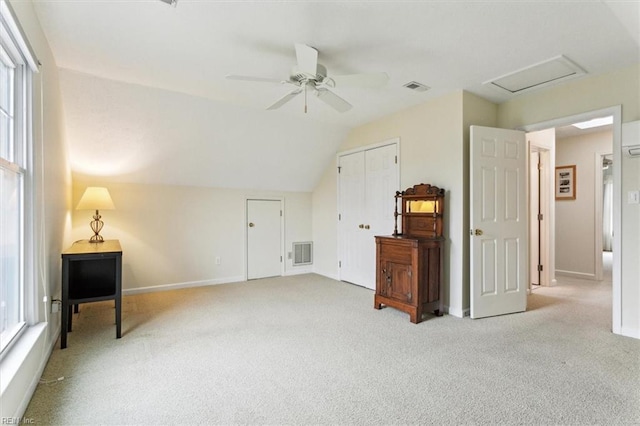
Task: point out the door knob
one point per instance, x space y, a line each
251 225
367 227
361 226
478 232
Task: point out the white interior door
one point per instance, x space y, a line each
351 219
368 181
382 182
264 238
499 244
534 212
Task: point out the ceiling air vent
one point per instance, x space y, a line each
542 74
173 3
418 87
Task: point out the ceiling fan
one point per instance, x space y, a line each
309 75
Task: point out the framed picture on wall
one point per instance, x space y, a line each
566 182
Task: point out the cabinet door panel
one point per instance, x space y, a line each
400 286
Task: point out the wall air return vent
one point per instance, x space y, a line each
542 74
302 253
418 87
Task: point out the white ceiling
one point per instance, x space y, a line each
445 45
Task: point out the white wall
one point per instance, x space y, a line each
170 235
576 239
20 370
588 94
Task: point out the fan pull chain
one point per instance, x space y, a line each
305 98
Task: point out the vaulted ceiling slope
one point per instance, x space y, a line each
110 49
125 132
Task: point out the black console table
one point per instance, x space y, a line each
91 272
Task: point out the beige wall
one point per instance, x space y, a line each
21 368
171 235
576 239
325 225
434 150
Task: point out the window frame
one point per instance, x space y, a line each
17 50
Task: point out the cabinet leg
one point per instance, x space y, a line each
415 315
376 303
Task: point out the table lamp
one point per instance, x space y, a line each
96 198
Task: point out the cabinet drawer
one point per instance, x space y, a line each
399 253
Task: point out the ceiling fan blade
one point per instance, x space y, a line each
283 100
249 78
307 58
333 100
374 79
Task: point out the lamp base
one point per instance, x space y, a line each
96 226
96 239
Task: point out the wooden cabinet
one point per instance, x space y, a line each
409 264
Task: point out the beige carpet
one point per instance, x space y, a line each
311 350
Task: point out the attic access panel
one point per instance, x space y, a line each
542 74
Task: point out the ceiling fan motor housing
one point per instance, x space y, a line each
301 77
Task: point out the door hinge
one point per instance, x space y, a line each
280 213
280 259
409 272
539 165
396 159
540 268
540 216
339 168
339 216
340 264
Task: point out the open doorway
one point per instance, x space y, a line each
580 219
577 225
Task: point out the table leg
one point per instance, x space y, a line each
118 318
70 320
64 326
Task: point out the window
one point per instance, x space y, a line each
16 68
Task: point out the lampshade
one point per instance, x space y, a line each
96 198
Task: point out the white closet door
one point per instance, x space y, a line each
264 238
381 186
351 223
368 181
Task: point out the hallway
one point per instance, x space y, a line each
577 294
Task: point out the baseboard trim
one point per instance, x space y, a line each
176 286
332 276
630 332
298 271
574 274
460 313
